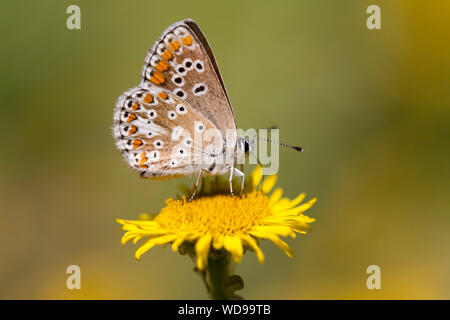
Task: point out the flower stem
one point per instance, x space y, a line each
217 273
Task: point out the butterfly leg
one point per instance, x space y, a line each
231 180
238 173
195 187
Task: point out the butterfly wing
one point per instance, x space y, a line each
158 132
181 62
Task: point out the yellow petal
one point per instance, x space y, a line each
202 250
282 245
307 205
127 237
183 237
138 222
121 221
233 245
285 203
218 242
275 196
275 239
176 244
276 229
268 183
147 245
256 176
135 240
253 245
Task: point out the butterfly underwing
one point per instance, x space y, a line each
181 96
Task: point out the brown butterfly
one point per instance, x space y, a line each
179 120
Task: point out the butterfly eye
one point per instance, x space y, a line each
172 115
246 146
199 66
181 109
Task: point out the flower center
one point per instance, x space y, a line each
217 215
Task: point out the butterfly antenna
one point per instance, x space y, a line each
282 144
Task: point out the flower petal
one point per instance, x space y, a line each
202 250
150 243
218 242
253 245
176 244
282 245
136 240
285 203
307 205
275 239
147 245
281 230
127 237
256 176
268 183
233 245
275 196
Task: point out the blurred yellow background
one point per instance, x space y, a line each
371 108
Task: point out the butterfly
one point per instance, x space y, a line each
181 96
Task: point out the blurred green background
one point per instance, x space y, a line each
371 108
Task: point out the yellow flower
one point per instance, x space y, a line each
228 223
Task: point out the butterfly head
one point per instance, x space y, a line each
245 146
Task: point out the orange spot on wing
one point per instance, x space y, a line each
136 143
163 95
159 76
167 55
175 45
154 80
132 130
135 106
143 159
148 98
187 40
162 66
131 117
